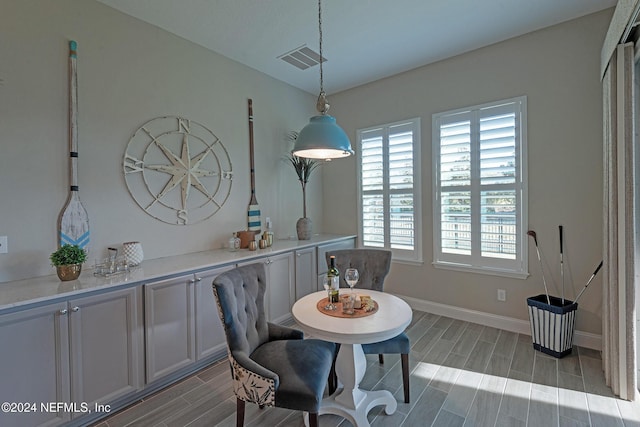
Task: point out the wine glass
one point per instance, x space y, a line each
351 276
326 283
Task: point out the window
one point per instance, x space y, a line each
389 188
480 188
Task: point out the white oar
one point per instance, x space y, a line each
253 213
73 223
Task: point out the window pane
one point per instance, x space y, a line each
401 225
373 220
498 149
455 154
498 224
401 161
372 161
455 222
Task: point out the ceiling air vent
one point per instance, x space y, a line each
302 57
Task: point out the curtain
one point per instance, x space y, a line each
618 317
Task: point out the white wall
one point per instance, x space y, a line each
128 73
557 69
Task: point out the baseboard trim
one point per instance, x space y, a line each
583 339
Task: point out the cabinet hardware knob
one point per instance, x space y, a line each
198 279
75 309
192 281
63 311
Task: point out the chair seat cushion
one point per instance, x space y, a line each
399 344
303 367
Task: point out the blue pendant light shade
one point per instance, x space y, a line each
323 139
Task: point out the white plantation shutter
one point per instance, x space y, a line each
389 188
480 188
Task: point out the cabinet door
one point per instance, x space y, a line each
34 364
106 346
170 326
306 282
280 287
209 332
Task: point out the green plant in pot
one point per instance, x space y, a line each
68 261
303 168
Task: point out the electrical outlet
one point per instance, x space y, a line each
502 295
4 245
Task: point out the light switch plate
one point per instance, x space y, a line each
4 245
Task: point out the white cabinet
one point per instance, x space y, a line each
280 293
306 272
280 287
86 350
169 326
182 324
106 346
210 337
34 363
322 251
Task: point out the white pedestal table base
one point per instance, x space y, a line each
350 401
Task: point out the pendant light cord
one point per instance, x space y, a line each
320 32
322 105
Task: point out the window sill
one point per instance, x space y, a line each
481 270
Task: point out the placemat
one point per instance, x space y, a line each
357 312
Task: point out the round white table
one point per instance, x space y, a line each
392 317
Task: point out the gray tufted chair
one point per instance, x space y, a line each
373 266
271 365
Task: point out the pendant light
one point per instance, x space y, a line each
322 138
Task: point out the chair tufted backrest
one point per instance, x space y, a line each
373 266
240 295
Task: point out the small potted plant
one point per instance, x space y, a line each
303 167
68 261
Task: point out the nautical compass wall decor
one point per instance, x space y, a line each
177 170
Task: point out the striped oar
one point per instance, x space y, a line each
73 223
254 209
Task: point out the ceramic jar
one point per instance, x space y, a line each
132 252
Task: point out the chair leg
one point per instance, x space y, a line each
239 412
333 376
405 376
333 379
381 359
313 419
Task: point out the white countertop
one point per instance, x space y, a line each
39 289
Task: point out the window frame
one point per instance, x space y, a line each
399 255
475 262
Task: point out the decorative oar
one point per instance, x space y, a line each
254 209
535 240
73 223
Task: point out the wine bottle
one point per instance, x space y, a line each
334 277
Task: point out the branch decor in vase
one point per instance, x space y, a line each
303 167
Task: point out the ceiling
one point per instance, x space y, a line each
363 40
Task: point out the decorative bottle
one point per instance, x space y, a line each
234 243
334 277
